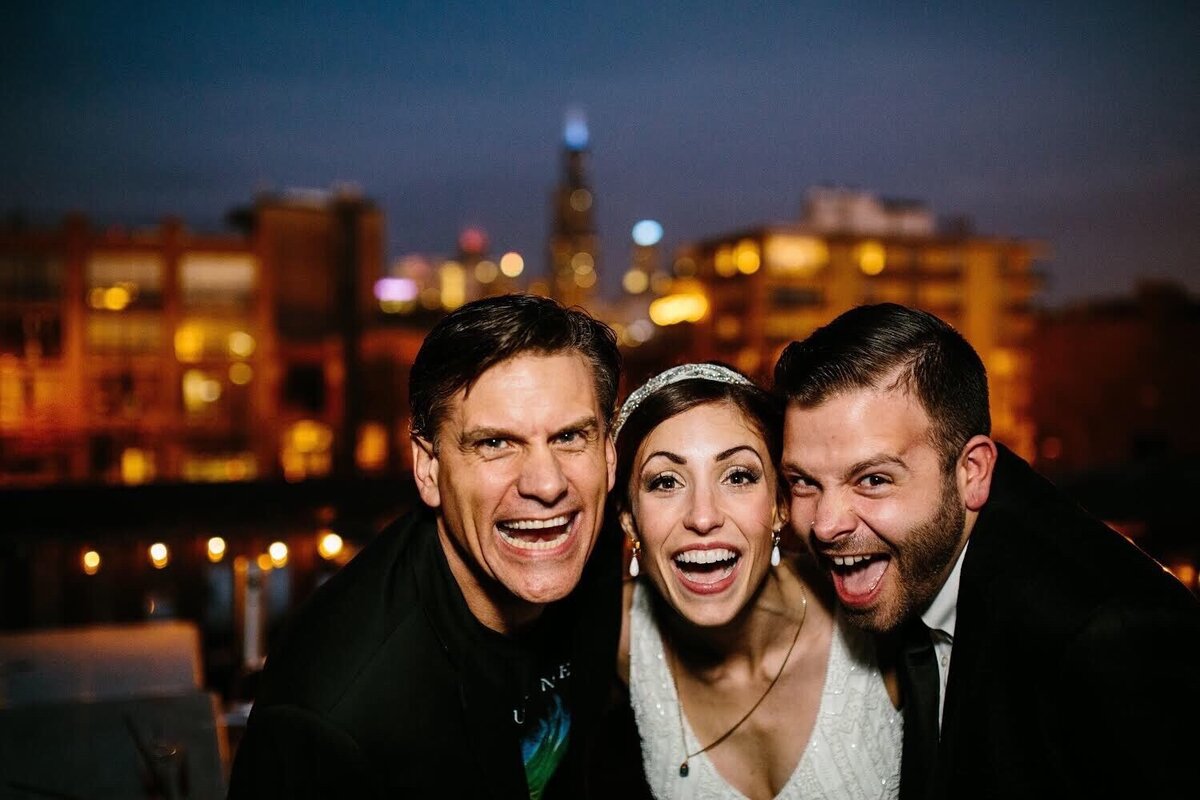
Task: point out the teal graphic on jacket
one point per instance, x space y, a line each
544 746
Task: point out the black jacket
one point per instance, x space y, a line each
382 685
1075 670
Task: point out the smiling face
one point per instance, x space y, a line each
702 498
870 493
519 474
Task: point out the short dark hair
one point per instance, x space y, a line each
868 344
762 410
479 335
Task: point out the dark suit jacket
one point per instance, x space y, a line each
379 686
1075 670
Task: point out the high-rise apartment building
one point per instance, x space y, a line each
766 286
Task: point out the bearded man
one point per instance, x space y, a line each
1040 653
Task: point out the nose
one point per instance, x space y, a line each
541 477
832 517
704 515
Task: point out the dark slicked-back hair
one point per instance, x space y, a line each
479 335
906 348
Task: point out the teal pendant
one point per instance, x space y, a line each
683 770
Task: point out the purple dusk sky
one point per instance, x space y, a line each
1074 123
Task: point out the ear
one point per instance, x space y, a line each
425 471
974 471
610 459
780 517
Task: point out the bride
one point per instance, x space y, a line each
743 680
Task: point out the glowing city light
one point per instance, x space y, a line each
473 241
575 132
635 281
871 258
581 200
116 298
486 271
395 290
189 342
241 344
160 556
454 285
278 552
747 257
676 308
240 373
583 262
511 264
216 549
137 466
91 562
330 545
647 233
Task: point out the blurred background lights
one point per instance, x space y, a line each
486 271
575 132
635 281
395 290
473 241
747 257
581 200
647 233
91 562
240 373
241 344
330 545
640 331
511 264
160 556
871 258
278 551
216 549
676 308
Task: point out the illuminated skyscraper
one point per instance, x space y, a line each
573 261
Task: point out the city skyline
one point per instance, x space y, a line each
1075 127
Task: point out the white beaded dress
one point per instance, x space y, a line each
854 750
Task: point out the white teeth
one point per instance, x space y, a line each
525 544
705 556
536 524
849 561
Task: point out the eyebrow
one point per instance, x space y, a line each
882 459
588 423
721 456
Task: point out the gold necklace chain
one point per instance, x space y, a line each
683 767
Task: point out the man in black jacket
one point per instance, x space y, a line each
466 651
1040 654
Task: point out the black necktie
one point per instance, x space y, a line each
920 683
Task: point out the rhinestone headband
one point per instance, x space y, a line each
684 372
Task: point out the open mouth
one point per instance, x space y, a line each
706 570
857 578
536 534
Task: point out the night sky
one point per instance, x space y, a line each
1074 123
